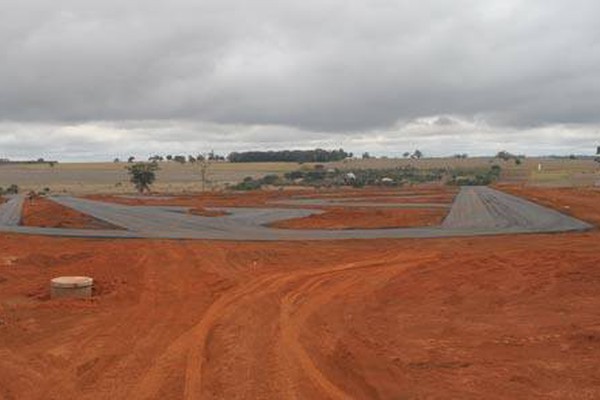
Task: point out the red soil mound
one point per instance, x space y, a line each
441 199
357 218
367 193
46 213
200 201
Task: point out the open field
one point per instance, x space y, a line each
496 317
510 316
88 178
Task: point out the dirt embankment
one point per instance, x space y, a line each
418 199
198 201
369 218
373 192
42 212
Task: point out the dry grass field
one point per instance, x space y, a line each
88 178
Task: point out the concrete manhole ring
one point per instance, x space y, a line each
71 287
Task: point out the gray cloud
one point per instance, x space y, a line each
231 74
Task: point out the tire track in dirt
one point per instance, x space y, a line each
307 297
299 295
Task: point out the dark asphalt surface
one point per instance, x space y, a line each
475 211
10 211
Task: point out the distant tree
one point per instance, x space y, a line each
417 154
179 159
406 154
40 160
270 179
143 175
116 160
366 155
299 156
169 157
131 159
504 155
155 158
191 159
200 157
462 156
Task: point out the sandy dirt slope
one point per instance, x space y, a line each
357 218
443 199
471 318
199 201
46 213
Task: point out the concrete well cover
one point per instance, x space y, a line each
72 282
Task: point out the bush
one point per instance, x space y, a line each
142 175
248 184
270 179
476 177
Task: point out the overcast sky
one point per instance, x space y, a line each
100 79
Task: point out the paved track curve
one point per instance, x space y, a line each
475 211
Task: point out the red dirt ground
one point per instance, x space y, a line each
438 199
366 218
507 317
46 213
210 199
425 190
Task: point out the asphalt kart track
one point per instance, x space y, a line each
475 211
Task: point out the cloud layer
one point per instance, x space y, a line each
98 76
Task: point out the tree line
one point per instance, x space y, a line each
301 156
